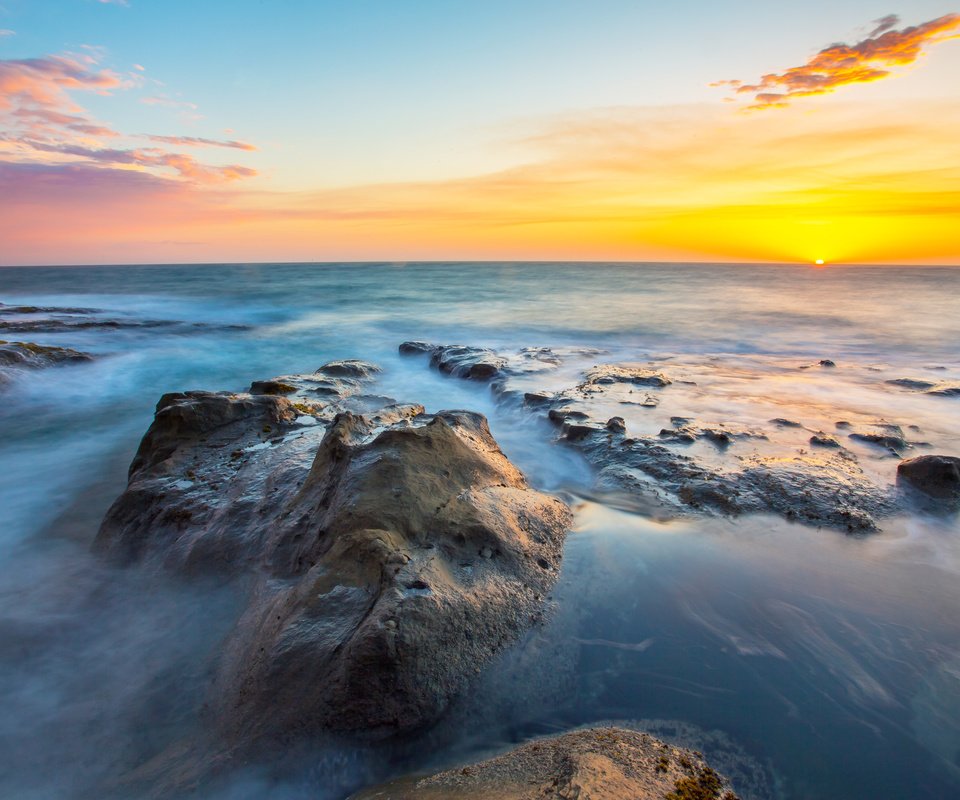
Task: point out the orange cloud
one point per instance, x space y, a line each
842 64
697 183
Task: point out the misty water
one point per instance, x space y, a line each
807 663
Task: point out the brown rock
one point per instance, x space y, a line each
588 764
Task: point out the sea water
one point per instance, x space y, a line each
818 665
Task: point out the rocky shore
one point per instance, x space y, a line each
824 485
389 555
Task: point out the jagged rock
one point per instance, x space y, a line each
462 361
935 476
417 555
393 553
589 764
826 490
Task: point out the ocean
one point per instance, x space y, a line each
809 663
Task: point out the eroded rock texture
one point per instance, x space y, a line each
393 553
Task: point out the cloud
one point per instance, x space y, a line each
197 141
43 123
853 183
159 100
4 32
45 82
871 59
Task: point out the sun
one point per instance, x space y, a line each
819 262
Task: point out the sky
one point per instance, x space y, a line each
162 131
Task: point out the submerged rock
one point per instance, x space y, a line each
38 356
938 388
15 356
393 553
936 476
590 764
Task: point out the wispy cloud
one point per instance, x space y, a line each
199 141
43 123
4 32
871 59
160 100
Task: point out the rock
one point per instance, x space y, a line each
537 399
5 309
826 362
935 476
617 424
785 423
590 764
272 387
939 388
392 555
427 527
16 356
461 361
896 444
912 383
823 440
351 368
614 373
952 390
826 490
38 356
560 415
416 348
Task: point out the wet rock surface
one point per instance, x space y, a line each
15 356
935 476
392 553
744 470
589 764
56 319
938 388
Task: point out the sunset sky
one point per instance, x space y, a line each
161 131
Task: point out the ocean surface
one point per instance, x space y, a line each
809 664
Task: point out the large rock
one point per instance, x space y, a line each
935 476
393 553
588 764
415 555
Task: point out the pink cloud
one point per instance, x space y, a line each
198 141
42 123
871 59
